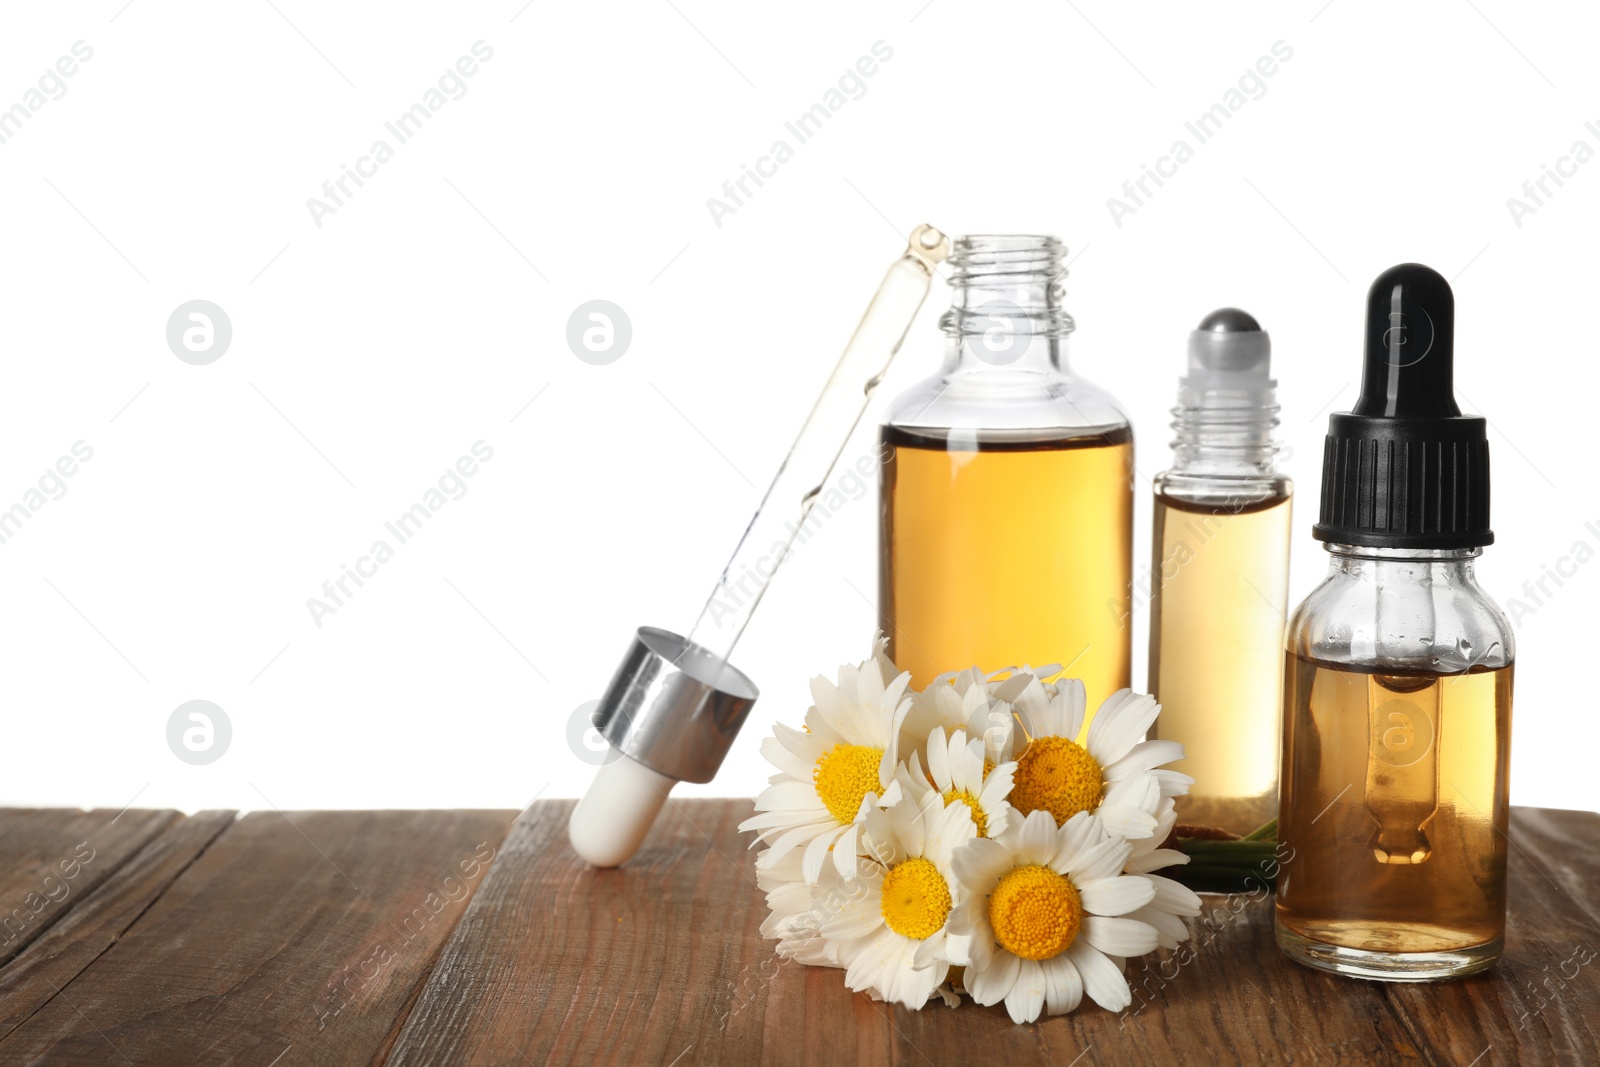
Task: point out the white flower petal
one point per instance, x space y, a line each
918 984
997 786
980 862
906 820
1102 979
1173 783
1116 896
825 710
1119 724
939 759
1145 756
930 951
807 746
1013 687
1026 999
956 950
989 985
1101 860
1119 936
949 829
1037 843
1063 989
795 836
1071 703
966 763
1126 821
844 852
817 852
854 919
790 796
965 919
1169 928
1079 832
1155 860
870 964
1173 896
790 763
771 822
993 725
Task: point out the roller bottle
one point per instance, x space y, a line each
1219 577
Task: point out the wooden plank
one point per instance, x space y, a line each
558 962
51 858
555 962
1541 1002
104 914
303 931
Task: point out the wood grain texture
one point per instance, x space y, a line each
661 962
307 933
1541 1002
50 858
101 916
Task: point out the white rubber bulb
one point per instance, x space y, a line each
611 821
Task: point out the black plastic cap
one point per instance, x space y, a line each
1404 468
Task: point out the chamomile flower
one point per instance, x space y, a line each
848 750
959 773
1113 774
892 939
1047 911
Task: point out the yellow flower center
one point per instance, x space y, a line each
1058 776
1035 912
978 817
845 774
916 899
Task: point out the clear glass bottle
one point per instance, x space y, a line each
1397 689
1007 501
1219 578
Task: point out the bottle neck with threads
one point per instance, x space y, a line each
1005 370
1006 311
1224 446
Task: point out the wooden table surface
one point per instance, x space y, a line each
457 937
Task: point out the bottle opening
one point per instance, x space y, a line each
1007 291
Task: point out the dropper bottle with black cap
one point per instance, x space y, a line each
1397 688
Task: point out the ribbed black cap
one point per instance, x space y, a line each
1404 468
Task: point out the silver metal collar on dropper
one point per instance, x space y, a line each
675 704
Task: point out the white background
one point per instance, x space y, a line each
372 351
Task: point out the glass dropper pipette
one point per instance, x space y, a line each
675 704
